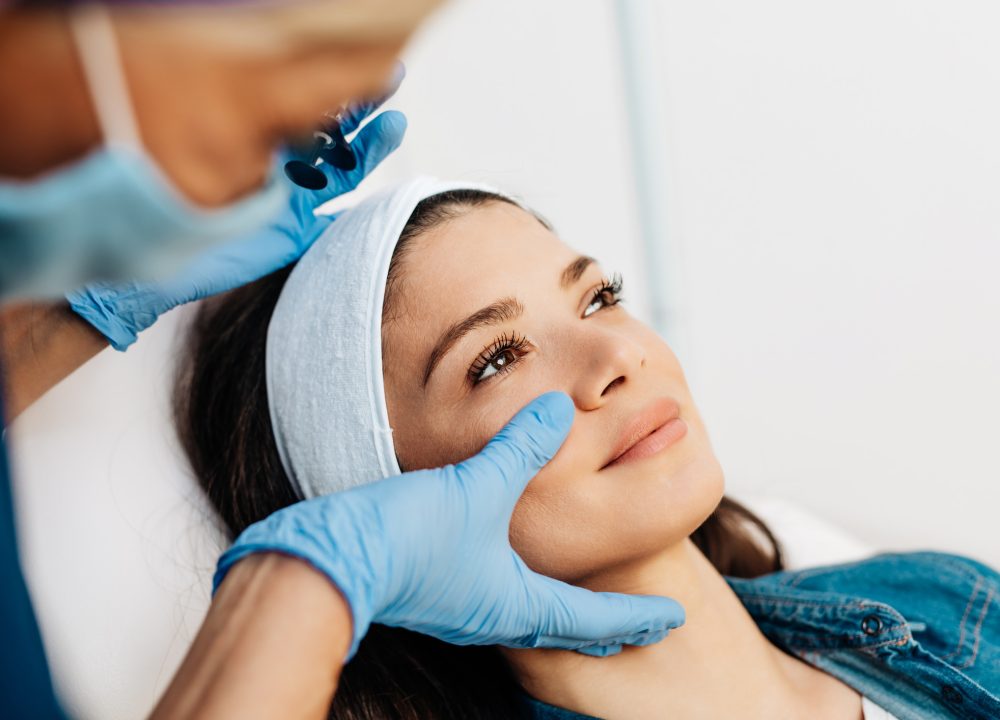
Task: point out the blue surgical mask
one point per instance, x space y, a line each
113 215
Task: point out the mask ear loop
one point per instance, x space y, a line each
94 36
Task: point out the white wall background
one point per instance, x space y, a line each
832 184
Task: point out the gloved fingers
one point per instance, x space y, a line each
605 649
515 454
356 113
373 144
578 618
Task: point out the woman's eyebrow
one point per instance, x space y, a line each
502 310
575 270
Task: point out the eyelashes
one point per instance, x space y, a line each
500 356
609 293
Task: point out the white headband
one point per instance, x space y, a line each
324 347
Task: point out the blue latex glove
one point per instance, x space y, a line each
429 551
120 311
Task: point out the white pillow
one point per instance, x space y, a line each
806 539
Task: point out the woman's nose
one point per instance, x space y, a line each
607 362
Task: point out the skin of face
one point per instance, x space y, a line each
575 522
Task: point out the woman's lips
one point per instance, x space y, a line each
655 429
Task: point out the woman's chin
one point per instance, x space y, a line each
688 491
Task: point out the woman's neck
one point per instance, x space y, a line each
718 664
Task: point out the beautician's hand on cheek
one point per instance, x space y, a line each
429 551
120 311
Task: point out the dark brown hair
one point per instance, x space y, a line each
222 418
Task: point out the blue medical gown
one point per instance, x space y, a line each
25 684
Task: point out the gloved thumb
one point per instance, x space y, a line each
599 623
523 446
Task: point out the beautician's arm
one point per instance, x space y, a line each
277 632
40 344
272 646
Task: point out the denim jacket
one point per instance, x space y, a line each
917 633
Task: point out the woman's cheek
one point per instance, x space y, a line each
557 529
535 536
447 436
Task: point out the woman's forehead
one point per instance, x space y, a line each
490 253
482 248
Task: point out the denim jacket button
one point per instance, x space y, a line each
871 625
951 695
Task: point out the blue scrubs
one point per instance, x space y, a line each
25 684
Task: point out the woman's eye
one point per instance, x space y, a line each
608 294
596 304
497 363
500 357
602 299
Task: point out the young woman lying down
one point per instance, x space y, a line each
409 334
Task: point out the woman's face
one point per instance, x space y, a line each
540 322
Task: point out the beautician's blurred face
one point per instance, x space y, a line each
579 516
214 88
239 102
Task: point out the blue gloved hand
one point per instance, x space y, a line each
429 551
120 311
